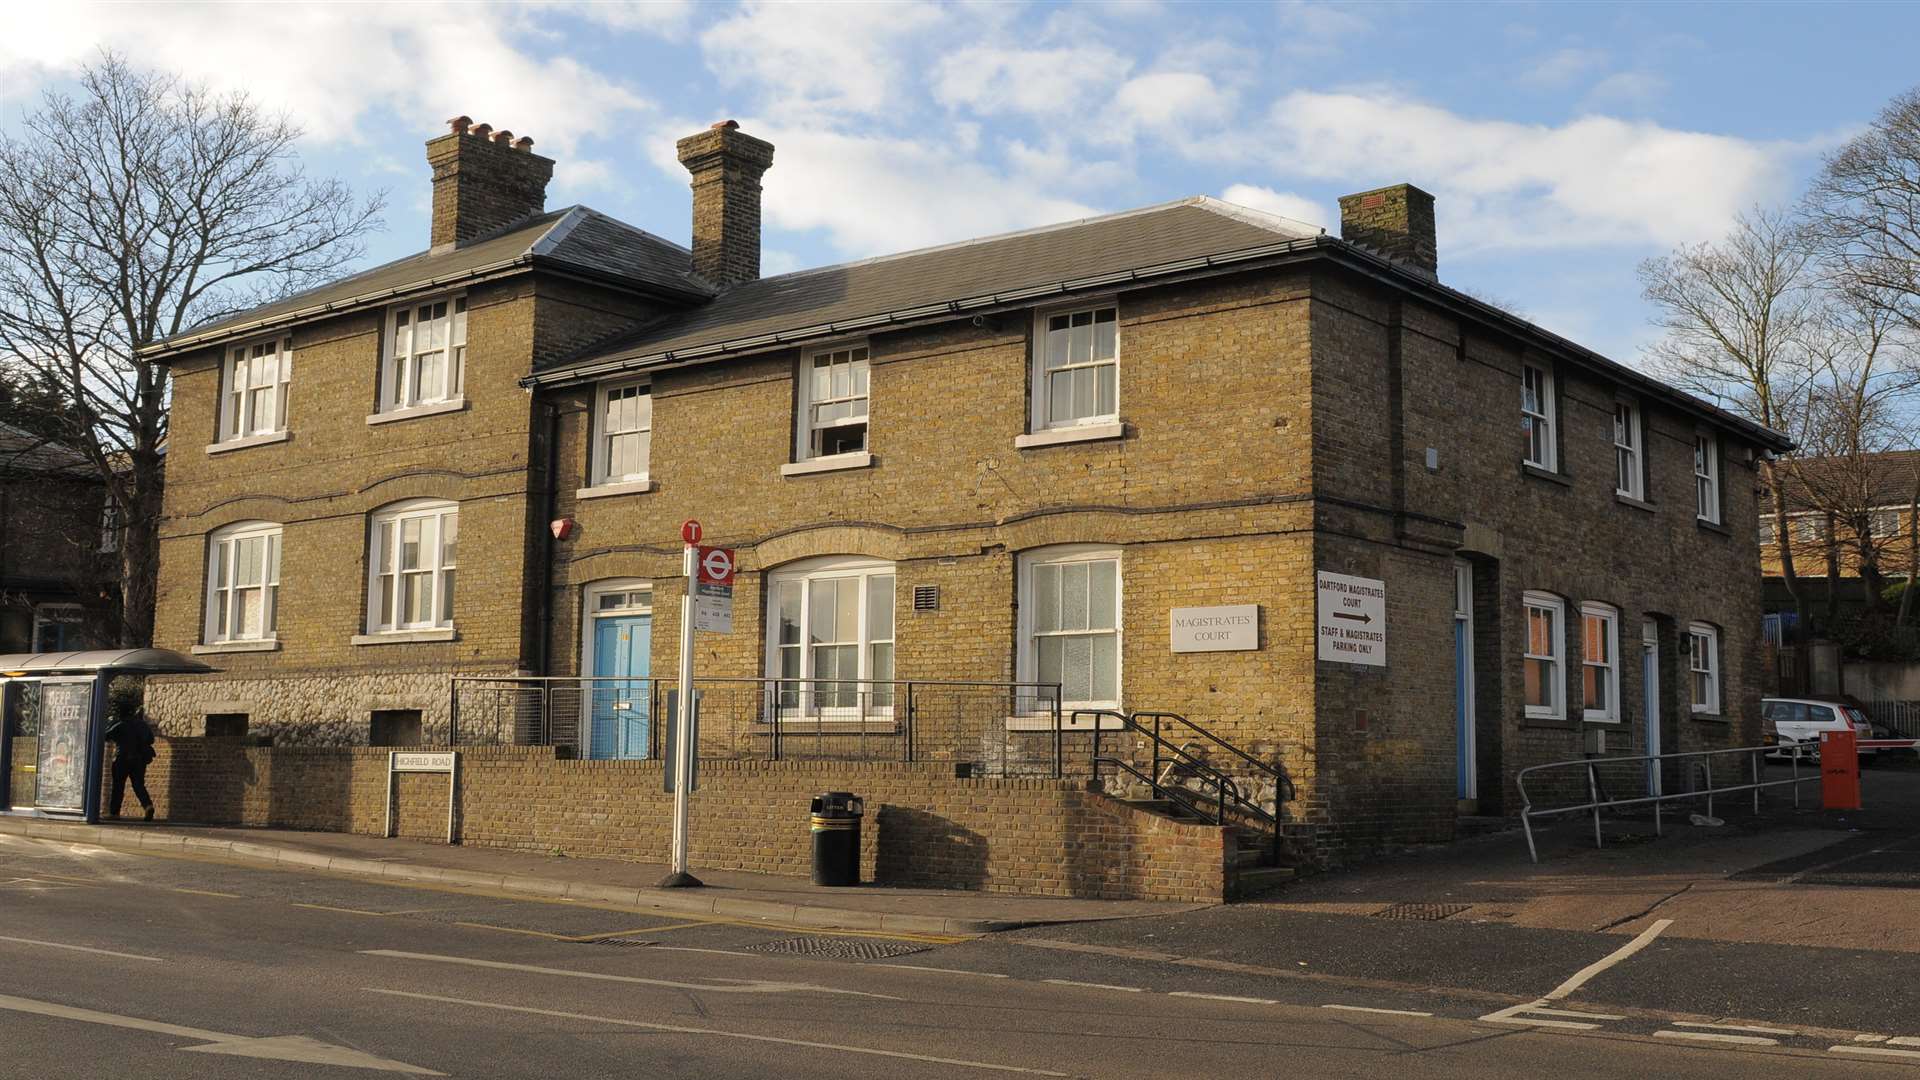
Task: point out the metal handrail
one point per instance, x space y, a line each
1595 803
1283 788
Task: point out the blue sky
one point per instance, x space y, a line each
1565 142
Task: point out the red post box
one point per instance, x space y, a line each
1839 770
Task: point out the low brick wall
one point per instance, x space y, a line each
922 826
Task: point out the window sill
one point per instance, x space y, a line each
1637 504
401 637
251 440
1043 724
607 491
263 645
833 463
1712 526
1607 721
1558 723
1548 475
1082 433
435 409
1709 718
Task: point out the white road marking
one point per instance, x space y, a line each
1096 986
1751 1028
80 948
1907 1041
1869 1038
1717 1037
1369 1009
1581 977
1541 1010
681 1030
1510 1015
1876 1051
943 971
1222 997
278 1048
738 986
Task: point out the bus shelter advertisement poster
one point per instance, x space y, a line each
64 711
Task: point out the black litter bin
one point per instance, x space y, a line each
836 838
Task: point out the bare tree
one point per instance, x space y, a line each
1737 316
135 210
1865 374
1865 209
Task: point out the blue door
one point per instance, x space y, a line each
622 648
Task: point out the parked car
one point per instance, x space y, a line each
1785 722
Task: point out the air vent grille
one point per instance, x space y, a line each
926 598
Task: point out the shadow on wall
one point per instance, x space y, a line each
915 847
311 789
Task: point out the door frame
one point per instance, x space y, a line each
1466 718
590 595
1650 699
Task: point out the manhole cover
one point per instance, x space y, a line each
624 942
840 948
1421 912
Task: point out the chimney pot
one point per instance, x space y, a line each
524 144
726 164
483 181
1396 222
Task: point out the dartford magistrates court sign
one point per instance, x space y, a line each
1352 627
1233 628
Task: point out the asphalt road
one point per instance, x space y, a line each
139 965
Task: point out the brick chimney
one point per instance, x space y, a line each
1393 221
483 180
726 164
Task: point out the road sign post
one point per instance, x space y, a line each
681 761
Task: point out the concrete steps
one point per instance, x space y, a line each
1251 870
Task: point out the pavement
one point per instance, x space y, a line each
790 901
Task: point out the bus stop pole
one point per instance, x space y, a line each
683 749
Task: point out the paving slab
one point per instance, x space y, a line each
726 894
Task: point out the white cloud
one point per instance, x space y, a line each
1285 203
1173 103
990 79
333 67
1310 29
1563 67
819 58
664 17
874 195
1626 88
1592 181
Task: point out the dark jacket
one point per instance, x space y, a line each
132 739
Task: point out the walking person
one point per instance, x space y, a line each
132 739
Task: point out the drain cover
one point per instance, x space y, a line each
1421 912
840 948
626 942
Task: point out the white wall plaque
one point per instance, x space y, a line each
423 762
1233 628
1352 627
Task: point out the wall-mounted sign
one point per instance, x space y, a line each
1352 627
1233 628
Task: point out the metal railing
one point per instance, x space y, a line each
1900 717
1164 760
983 728
1698 762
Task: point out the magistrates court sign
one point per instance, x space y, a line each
1233 628
1352 627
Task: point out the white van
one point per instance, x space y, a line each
1787 721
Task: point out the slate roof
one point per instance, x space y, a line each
1883 480
22 452
577 238
995 265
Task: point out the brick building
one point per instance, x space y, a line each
1008 459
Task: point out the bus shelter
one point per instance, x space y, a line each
53 724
